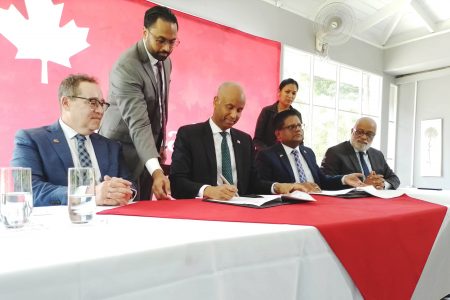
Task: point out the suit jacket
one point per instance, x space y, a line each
264 130
45 150
273 164
341 159
134 117
194 162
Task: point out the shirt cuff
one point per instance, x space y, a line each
272 190
202 189
387 185
152 165
343 180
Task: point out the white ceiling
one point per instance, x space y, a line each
384 23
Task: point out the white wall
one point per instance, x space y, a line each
430 95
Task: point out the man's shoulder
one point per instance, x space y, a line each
241 134
339 147
37 132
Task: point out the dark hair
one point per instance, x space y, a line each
69 86
286 82
159 12
278 120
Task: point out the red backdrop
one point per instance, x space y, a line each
208 55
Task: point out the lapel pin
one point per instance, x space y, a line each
238 141
281 155
56 141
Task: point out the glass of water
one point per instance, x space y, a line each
81 194
16 196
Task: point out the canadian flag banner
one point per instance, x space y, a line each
43 41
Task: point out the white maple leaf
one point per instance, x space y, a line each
41 37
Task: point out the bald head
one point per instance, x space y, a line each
228 104
363 133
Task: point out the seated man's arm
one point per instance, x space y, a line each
331 163
26 154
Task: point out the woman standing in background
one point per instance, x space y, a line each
264 131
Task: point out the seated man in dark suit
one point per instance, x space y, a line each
356 155
290 161
214 160
50 150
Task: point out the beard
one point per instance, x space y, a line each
360 146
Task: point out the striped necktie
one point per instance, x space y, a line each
298 164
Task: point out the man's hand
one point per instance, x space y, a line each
113 191
286 188
354 180
220 192
376 180
161 185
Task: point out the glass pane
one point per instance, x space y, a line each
390 157
304 109
393 104
349 90
324 131
371 95
297 65
324 92
345 124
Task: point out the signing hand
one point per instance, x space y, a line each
354 180
220 192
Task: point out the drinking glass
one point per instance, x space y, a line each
16 196
81 194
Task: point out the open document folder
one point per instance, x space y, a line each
361 192
264 201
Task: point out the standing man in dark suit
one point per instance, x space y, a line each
214 160
290 161
356 155
51 150
138 93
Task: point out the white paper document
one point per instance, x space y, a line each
370 189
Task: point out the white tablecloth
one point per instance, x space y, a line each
121 257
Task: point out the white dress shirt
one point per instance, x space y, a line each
70 134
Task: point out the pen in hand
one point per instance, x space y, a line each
225 181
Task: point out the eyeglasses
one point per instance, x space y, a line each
294 127
360 132
162 41
94 103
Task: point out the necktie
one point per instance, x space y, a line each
162 101
226 159
365 169
83 155
298 164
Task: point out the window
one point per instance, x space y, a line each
392 127
331 98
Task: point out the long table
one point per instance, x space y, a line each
122 257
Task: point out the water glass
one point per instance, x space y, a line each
81 194
16 196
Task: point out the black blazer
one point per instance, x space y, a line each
341 159
273 164
264 130
194 162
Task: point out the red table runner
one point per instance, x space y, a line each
383 244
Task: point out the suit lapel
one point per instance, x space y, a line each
353 158
60 146
210 150
284 159
310 163
146 64
101 151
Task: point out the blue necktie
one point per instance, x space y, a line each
365 169
298 164
83 155
226 159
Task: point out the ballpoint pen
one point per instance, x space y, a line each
225 181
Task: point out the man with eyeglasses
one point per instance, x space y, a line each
72 142
138 93
290 161
356 155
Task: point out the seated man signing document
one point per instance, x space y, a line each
213 160
51 150
290 161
